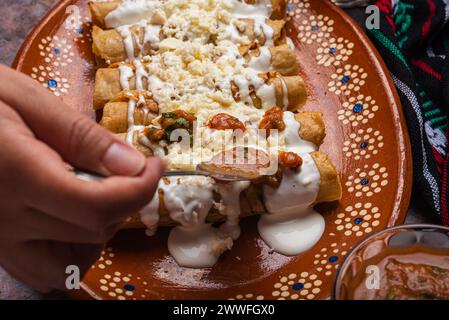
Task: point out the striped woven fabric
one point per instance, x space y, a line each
414 41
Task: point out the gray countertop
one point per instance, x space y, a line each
18 18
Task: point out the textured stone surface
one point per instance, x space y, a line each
18 19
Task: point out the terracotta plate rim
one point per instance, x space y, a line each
405 182
405 168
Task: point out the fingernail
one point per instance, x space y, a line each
123 160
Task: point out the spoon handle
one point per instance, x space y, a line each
89 176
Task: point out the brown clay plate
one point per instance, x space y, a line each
366 140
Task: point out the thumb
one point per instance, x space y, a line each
78 139
85 144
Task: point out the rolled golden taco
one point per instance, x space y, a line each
290 92
109 45
115 116
280 58
251 200
101 9
115 119
107 86
247 27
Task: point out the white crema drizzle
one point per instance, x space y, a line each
193 243
128 41
248 75
131 11
290 227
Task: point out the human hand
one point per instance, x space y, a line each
49 218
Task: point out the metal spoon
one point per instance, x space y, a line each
89 176
217 168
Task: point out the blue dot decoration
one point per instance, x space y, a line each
290 7
332 50
57 50
315 27
298 286
345 79
364 181
129 287
363 145
52 83
358 220
80 30
358 107
333 259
